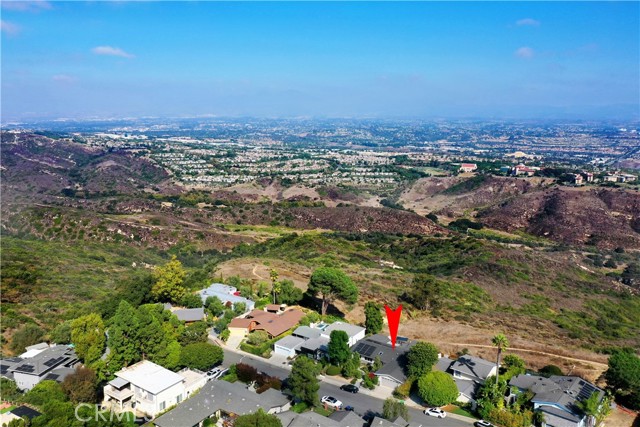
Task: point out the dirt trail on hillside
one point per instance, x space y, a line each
514 349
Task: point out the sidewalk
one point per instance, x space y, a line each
380 392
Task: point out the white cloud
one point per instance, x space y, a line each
528 22
8 28
63 78
111 51
524 52
26 6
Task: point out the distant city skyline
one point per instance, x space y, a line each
331 59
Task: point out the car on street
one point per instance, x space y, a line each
350 388
483 423
214 373
331 401
435 412
349 408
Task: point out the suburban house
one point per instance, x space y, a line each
288 345
398 422
149 388
18 413
468 372
224 400
557 397
313 341
393 360
524 170
312 419
261 320
355 333
189 315
50 363
468 167
229 295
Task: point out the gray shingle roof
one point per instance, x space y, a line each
473 366
190 314
220 395
393 360
351 330
46 361
290 342
306 332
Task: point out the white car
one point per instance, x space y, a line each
214 373
483 423
435 412
331 401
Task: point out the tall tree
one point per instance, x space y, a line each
421 358
123 337
373 317
81 385
258 419
393 408
338 347
27 335
501 343
331 283
623 377
303 380
214 306
87 335
289 293
273 274
168 281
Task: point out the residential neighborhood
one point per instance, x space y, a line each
260 359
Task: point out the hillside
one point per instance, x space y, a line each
605 218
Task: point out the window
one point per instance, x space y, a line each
163 405
179 398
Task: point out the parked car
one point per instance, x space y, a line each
331 401
483 423
349 408
350 388
435 412
214 373
222 373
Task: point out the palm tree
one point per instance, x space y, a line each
273 274
502 343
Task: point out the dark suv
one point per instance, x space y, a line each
350 388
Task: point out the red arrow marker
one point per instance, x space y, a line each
393 318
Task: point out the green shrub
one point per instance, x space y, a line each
333 370
437 388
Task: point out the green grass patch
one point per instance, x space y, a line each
322 411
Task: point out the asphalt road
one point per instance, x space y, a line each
362 403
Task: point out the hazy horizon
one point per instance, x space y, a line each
511 60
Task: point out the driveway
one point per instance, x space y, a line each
363 402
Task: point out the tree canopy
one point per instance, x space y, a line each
258 419
437 388
338 348
87 335
201 356
393 408
331 283
303 380
623 377
421 358
81 385
168 281
373 318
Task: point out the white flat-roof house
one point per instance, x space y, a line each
149 388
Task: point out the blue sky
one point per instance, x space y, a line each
363 59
